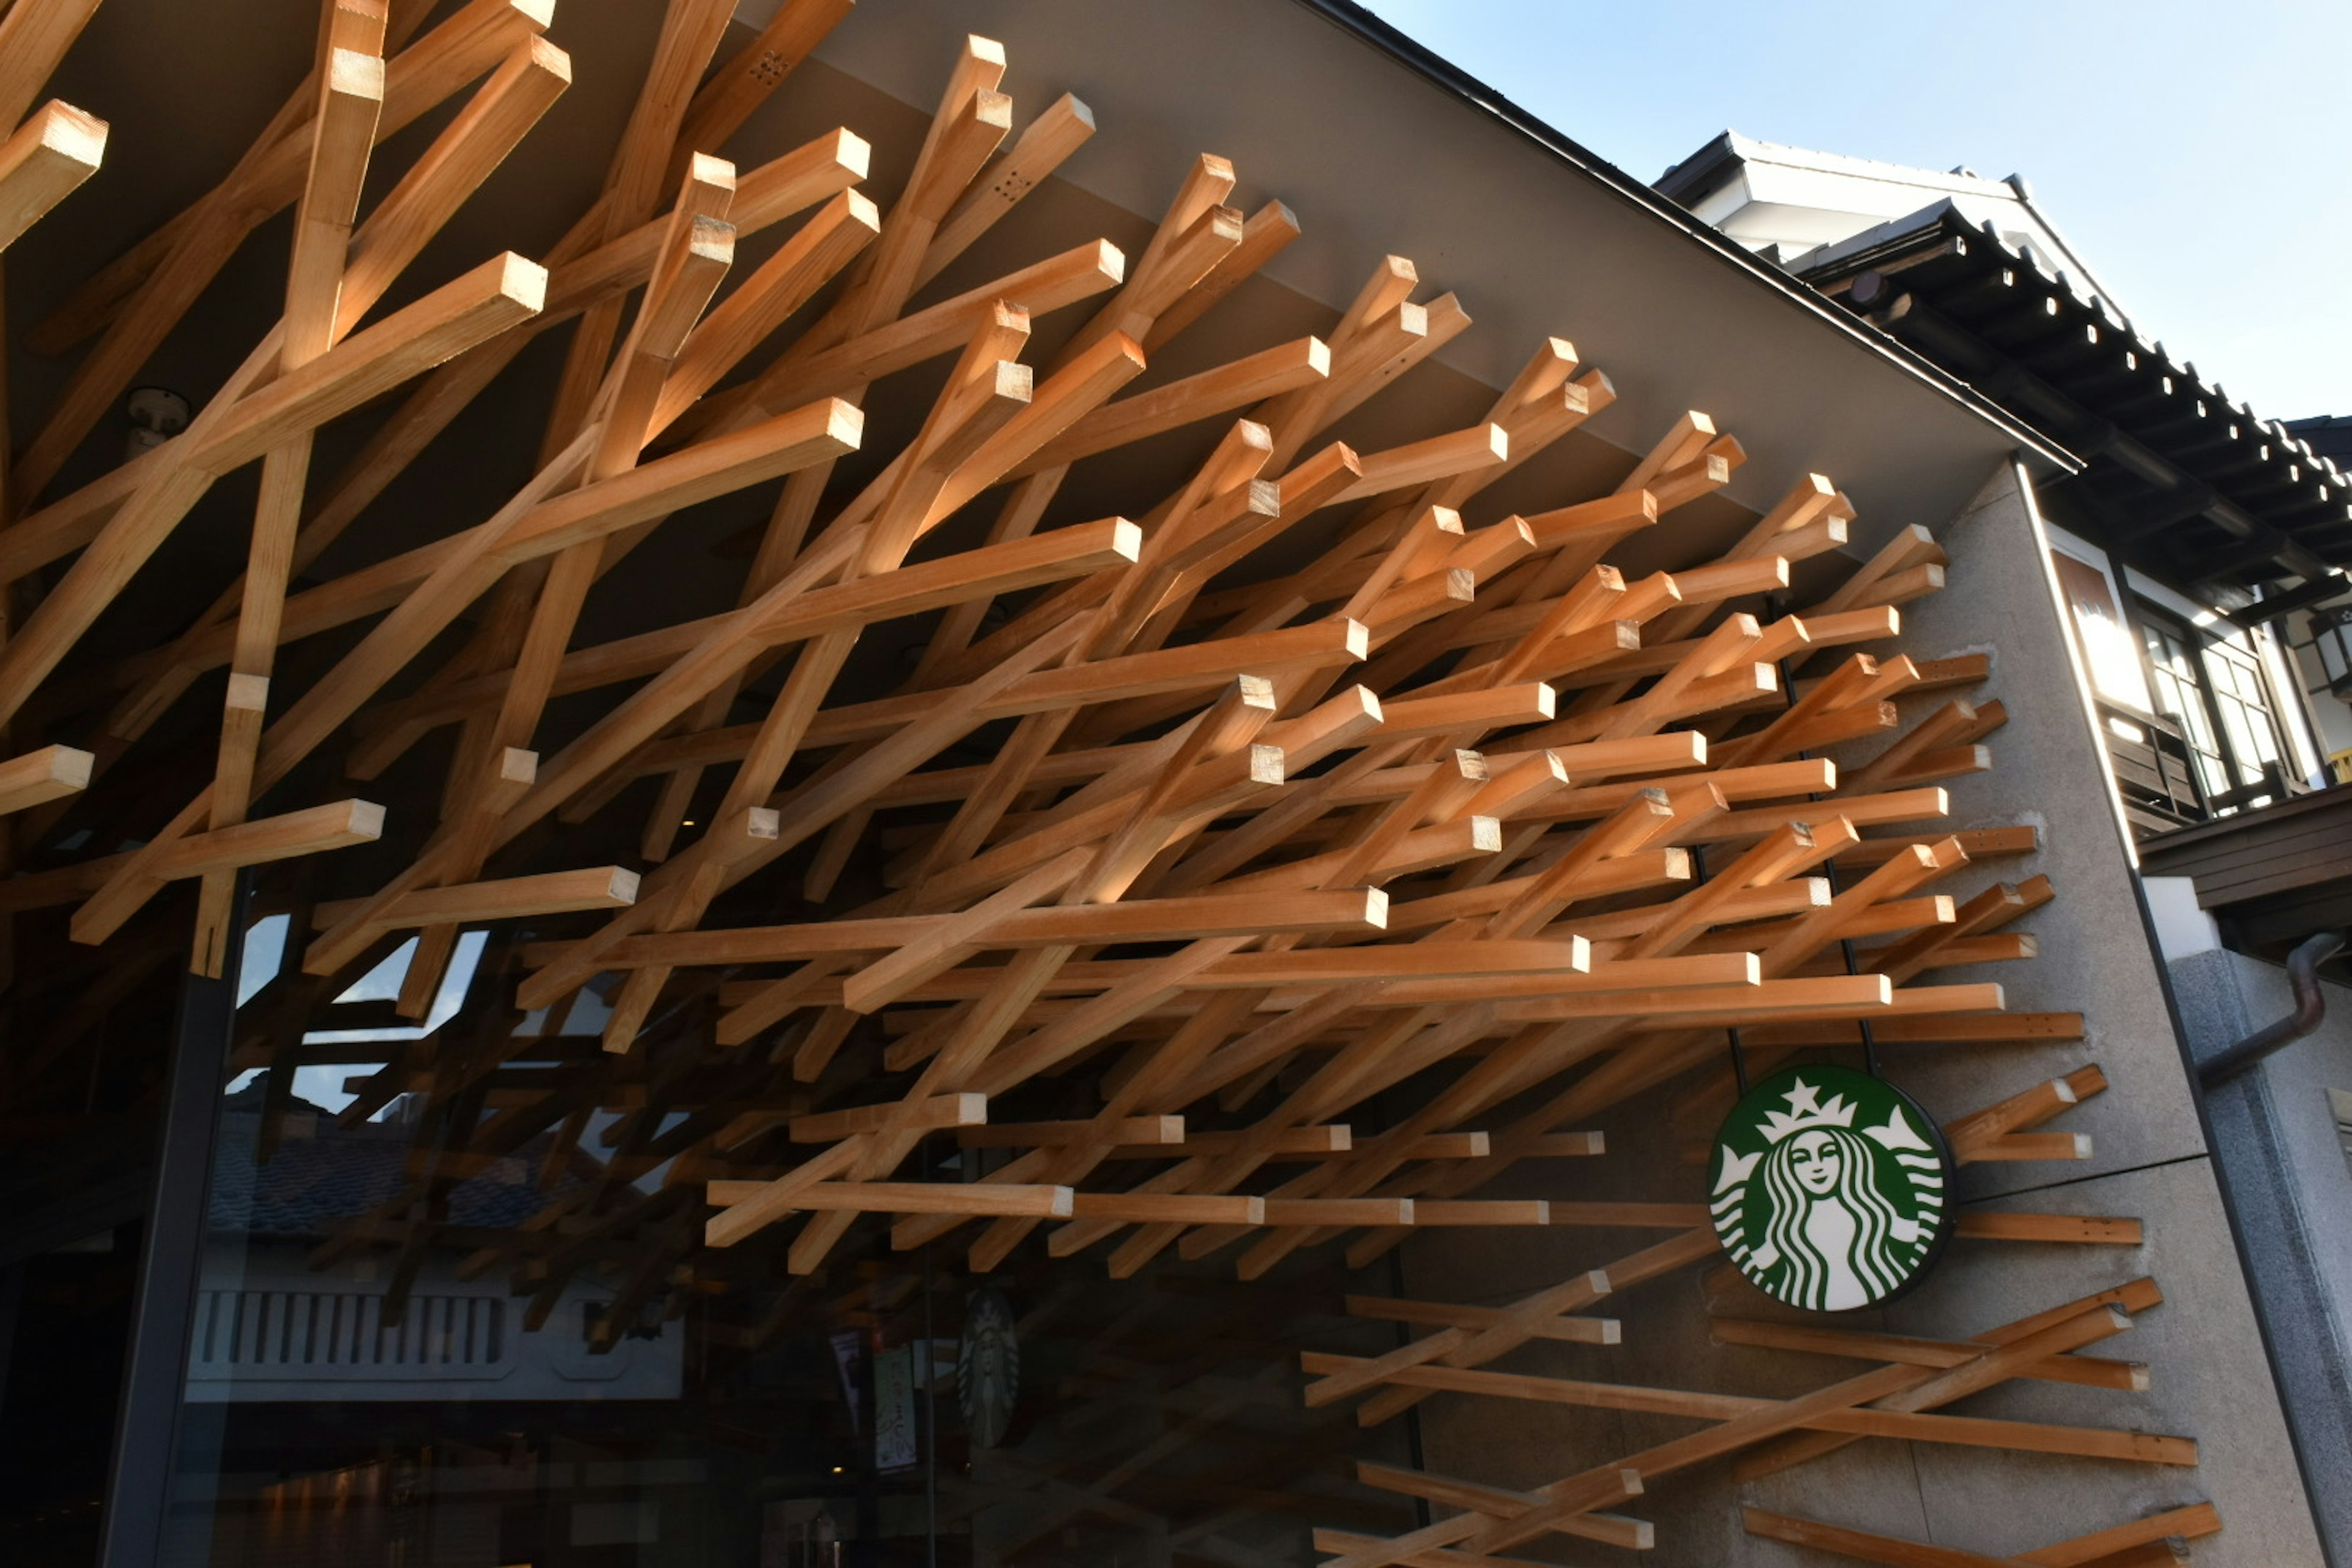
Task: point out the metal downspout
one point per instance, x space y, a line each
2310 1008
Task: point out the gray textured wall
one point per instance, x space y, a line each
2274 1131
2210 1379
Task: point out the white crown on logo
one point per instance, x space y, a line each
1806 1110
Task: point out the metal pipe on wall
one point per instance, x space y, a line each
2310 1010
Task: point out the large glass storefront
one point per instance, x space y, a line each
440 1324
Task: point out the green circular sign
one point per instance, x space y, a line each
1828 1188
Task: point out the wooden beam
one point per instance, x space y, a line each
43 162
38 777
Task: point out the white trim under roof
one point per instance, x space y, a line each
1808 202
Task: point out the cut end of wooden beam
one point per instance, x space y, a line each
48 158
711 239
1376 909
1111 265
844 423
70 133
746 834
551 60
1254 691
247 694
852 154
366 820
523 280
71 766
1011 380
621 887
351 74
705 169
44 775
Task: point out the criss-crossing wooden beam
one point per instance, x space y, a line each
1266 842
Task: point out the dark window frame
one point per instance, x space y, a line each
2273 778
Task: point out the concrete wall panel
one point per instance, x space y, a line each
2209 1375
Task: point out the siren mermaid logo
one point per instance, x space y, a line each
1827 1188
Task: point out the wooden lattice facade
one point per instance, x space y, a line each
1253 871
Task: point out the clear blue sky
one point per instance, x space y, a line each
2198 156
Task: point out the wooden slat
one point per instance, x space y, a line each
43 162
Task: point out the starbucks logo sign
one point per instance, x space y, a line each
1827 1188
988 1368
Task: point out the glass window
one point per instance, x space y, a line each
87 1032
2176 676
2242 699
2108 651
450 1314
2210 681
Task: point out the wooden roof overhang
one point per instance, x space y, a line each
2176 476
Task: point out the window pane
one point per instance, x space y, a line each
450 1315
2174 672
2244 707
2100 633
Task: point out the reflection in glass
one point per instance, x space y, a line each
441 1324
